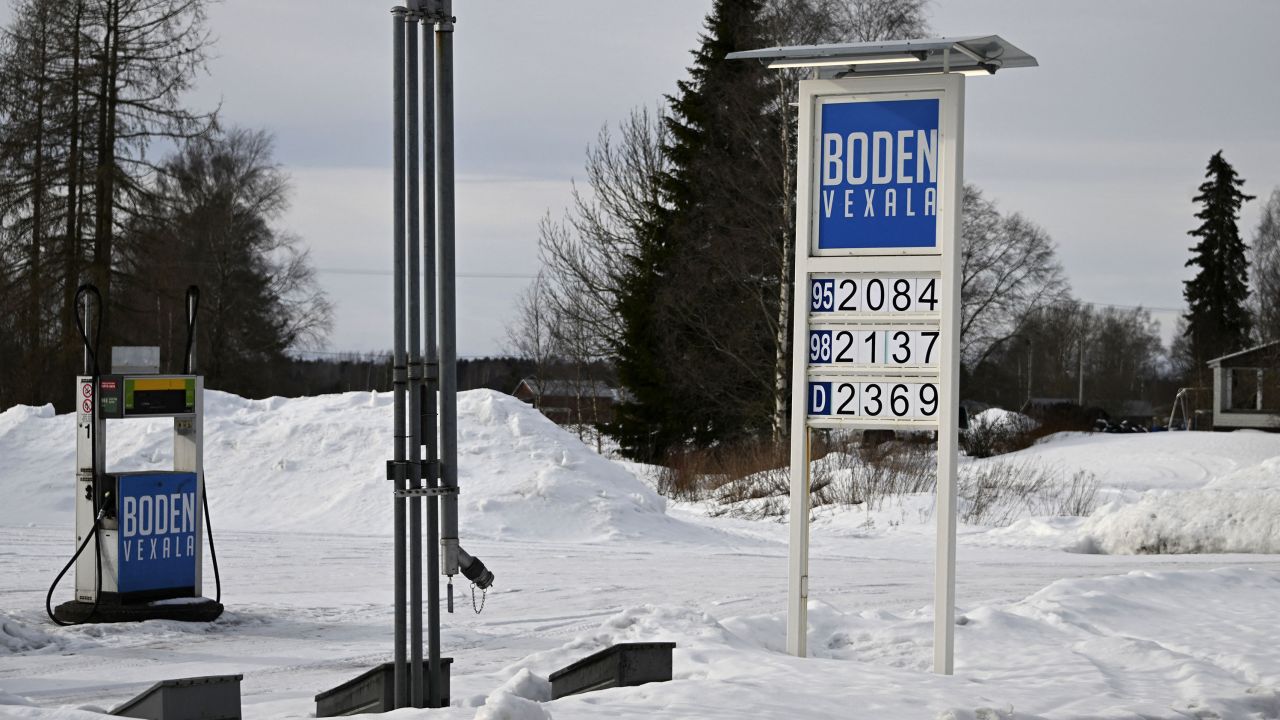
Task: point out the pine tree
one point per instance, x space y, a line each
1217 316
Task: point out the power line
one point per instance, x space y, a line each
482 276
531 276
1153 308
373 354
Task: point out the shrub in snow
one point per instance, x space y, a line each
996 432
997 493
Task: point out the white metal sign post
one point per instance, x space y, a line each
877 301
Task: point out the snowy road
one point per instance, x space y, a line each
307 612
587 555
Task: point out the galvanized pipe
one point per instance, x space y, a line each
447 290
398 371
414 278
430 437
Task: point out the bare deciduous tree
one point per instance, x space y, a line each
1009 270
210 219
584 254
1265 268
529 333
147 54
811 22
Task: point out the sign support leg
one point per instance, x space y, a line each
944 592
798 574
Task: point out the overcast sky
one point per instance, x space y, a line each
1103 145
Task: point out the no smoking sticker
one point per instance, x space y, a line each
87 390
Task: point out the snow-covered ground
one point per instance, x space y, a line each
1057 618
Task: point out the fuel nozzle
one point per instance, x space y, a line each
474 570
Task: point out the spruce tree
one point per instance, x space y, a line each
1217 315
699 306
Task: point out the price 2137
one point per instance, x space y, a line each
880 399
874 347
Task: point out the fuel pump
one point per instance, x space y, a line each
145 529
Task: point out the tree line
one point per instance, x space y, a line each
108 177
673 262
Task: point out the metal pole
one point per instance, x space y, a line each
944 579
414 277
447 305
798 545
1080 375
191 319
432 375
88 333
398 370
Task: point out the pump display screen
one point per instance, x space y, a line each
159 396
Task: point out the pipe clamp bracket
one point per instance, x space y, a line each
397 469
426 492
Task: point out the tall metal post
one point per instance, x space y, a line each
944 578
447 307
399 374
798 545
431 375
414 278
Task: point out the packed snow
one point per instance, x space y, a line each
1160 604
1002 420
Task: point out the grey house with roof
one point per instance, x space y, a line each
1246 389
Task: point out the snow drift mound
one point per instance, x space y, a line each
1002 420
1197 521
318 465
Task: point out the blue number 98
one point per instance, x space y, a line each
820 346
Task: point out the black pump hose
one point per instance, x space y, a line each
193 308
92 349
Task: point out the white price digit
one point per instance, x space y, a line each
901 298
927 349
875 296
900 400
846 346
926 401
898 346
848 295
872 350
872 399
846 399
926 294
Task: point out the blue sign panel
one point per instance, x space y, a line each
157 516
819 398
878 175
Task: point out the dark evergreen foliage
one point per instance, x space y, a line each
1218 320
699 305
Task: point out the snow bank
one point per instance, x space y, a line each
318 465
1129 465
520 698
1154 645
1197 521
16 637
999 419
